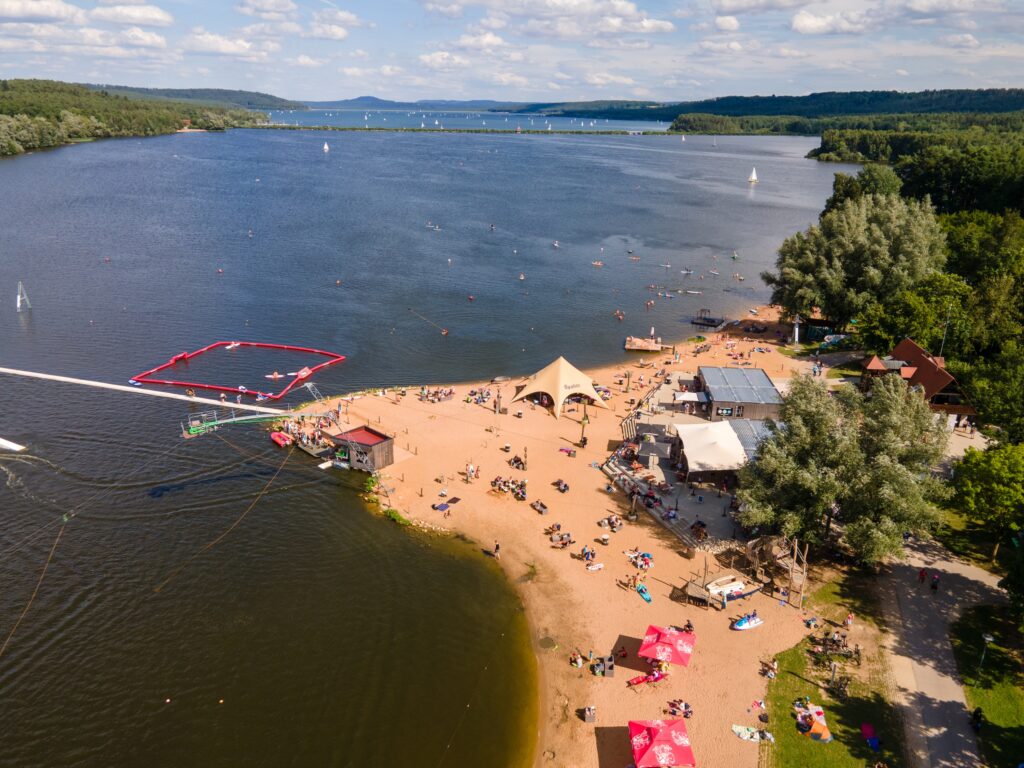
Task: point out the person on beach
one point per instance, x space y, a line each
849 620
497 551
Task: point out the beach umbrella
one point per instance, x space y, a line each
660 742
668 644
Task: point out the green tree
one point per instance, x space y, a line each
900 440
867 250
801 469
995 387
990 487
862 461
874 179
939 306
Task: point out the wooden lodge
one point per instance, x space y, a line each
922 371
364 448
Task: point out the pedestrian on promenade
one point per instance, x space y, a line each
921 576
935 583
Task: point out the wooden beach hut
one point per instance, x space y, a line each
364 448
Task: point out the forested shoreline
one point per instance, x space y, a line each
37 114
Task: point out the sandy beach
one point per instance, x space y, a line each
569 607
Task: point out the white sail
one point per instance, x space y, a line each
326 147
23 297
753 176
682 139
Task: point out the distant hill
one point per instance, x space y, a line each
212 96
372 102
829 104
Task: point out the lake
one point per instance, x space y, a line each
456 120
333 636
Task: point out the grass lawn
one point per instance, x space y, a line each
867 701
970 540
846 371
999 687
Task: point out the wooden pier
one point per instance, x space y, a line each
638 344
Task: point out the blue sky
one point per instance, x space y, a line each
538 50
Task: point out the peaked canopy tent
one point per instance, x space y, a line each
559 381
660 742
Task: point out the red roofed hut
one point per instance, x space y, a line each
923 371
364 448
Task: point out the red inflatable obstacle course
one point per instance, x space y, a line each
149 377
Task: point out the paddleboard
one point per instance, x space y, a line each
642 591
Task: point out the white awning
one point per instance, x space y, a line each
689 397
711 447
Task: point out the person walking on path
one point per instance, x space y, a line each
935 583
921 576
849 620
497 551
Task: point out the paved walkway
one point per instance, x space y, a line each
928 686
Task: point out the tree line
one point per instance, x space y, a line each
35 114
931 248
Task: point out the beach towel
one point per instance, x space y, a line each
867 730
454 500
746 733
440 507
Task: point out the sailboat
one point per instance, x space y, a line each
752 179
682 139
714 142
327 147
23 297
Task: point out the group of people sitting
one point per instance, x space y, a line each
642 560
510 485
478 396
561 486
517 463
436 395
678 707
612 522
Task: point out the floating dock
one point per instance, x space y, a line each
638 344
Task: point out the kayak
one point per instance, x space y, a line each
282 439
747 622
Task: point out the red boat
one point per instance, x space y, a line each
282 439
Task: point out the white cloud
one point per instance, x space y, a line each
966 40
717 46
271 10
902 73
271 29
508 78
573 19
618 43
451 10
359 53
483 41
199 40
601 79
143 38
754 6
727 23
332 24
40 10
302 60
784 52
952 6
442 60
146 15
388 70
843 22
